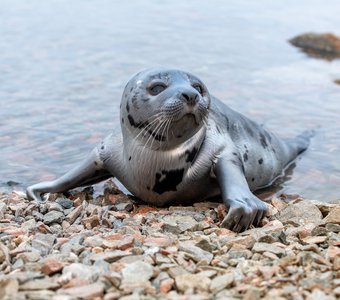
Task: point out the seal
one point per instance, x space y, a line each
179 143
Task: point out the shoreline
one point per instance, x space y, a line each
112 248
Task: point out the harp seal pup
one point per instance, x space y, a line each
177 142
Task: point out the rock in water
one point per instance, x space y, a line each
324 45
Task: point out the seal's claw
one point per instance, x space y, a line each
34 195
243 213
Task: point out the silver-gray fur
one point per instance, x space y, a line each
179 143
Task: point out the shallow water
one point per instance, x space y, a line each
64 65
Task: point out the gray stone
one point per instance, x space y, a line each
64 202
29 225
124 206
265 247
333 227
43 243
221 282
37 215
177 223
3 208
38 284
53 217
333 216
137 272
8 288
85 292
40 295
89 273
54 206
195 253
194 282
303 212
110 256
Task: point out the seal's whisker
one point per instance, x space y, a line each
157 118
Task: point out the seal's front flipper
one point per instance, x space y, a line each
244 207
90 171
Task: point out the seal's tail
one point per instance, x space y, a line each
303 140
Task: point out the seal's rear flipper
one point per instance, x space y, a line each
302 141
90 171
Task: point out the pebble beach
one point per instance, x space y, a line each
106 247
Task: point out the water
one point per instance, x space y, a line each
64 65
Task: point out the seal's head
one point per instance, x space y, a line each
168 106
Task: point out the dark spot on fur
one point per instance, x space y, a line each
253 179
145 99
131 89
191 155
139 125
168 180
127 107
123 120
245 156
157 137
96 163
268 136
134 97
178 136
227 122
218 129
129 158
263 141
234 153
102 147
148 188
260 161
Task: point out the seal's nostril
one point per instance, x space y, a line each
186 97
190 98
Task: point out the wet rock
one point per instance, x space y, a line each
325 45
43 243
53 217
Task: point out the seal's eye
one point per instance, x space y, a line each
157 88
198 88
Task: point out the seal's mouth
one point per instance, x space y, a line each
189 118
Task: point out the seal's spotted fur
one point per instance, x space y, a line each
179 143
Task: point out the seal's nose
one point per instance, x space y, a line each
190 98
